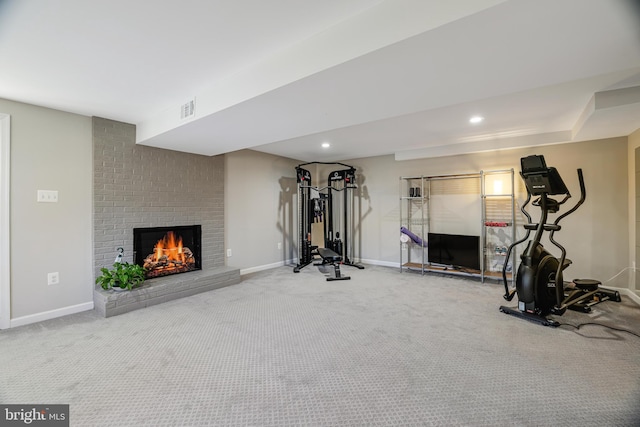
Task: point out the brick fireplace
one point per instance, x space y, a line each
137 186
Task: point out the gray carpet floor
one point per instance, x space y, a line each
280 349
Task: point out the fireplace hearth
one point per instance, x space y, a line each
163 251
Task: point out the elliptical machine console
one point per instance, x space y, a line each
540 286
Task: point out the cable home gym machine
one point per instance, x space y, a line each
540 286
331 207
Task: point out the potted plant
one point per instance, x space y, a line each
123 276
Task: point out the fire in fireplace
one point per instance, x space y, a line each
167 250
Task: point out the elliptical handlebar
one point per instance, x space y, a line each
583 196
559 279
508 295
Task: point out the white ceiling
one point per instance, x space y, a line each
371 77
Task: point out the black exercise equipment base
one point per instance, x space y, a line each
299 267
531 317
586 293
580 295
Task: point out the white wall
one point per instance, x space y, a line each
596 236
50 150
260 209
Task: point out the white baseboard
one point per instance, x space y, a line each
628 293
293 262
52 314
249 270
380 263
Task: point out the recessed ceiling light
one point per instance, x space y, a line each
476 119
326 145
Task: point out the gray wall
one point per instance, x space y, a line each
637 218
634 209
260 193
50 150
139 186
596 236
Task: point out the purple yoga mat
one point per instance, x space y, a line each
413 237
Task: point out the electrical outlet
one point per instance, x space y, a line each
228 252
279 245
53 278
48 196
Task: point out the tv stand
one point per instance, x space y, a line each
472 204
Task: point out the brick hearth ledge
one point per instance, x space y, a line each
163 289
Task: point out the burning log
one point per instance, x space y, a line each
154 261
168 257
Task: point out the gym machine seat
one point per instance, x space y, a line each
332 258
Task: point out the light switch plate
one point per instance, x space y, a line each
48 196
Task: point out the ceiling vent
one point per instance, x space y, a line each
188 109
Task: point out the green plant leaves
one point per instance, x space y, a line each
122 275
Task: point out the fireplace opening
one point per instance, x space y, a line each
167 250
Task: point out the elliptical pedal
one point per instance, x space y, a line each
587 285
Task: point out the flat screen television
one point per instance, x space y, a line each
455 250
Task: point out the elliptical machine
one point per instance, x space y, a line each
540 286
